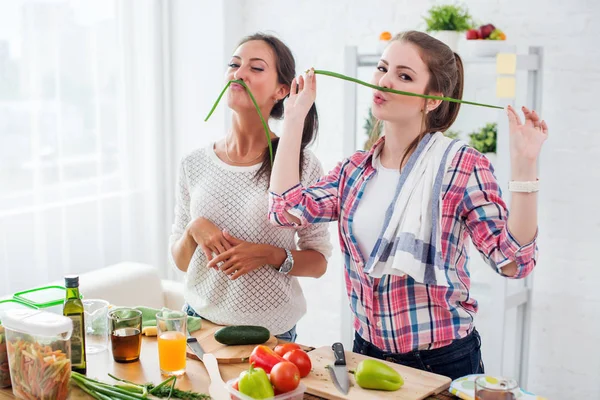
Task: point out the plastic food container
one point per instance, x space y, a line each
6 305
297 394
47 298
4 371
39 353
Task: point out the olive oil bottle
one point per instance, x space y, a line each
73 309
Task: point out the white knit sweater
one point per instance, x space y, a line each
230 197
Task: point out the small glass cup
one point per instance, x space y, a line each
171 330
96 325
492 388
125 334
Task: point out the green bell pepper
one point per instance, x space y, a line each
373 374
256 384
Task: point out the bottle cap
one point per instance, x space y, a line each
72 281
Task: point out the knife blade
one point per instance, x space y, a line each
338 371
193 344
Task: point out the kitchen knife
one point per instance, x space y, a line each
338 371
193 344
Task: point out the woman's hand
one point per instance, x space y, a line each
526 142
302 96
244 257
208 236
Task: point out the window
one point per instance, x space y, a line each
75 180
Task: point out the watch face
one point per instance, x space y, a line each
287 264
286 267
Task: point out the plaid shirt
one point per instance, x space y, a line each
397 314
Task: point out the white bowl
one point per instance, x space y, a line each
486 48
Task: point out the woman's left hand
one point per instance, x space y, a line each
242 258
526 139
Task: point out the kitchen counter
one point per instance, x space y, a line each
147 370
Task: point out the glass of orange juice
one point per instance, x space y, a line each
172 329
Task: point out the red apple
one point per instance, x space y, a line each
486 30
472 34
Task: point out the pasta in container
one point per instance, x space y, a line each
38 346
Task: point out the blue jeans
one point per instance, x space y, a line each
461 357
289 336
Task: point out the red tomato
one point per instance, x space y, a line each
301 360
285 377
281 349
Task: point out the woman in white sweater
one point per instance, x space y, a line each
241 270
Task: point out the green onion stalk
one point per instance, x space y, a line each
346 78
126 390
262 119
382 89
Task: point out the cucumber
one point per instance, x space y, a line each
242 334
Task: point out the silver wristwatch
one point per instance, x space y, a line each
288 264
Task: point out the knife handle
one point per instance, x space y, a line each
212 367
340 356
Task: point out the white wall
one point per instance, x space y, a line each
564 360
202 37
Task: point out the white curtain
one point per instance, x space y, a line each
85 171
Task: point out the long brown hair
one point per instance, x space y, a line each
446 77
286 71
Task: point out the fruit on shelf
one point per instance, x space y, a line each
473 34
486 30
385 36
497 34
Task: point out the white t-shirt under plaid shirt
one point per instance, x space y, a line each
232 198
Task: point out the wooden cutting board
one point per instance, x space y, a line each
225 354
417 384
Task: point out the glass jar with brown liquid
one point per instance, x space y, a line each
125 326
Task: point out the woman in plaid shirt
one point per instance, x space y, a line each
417 309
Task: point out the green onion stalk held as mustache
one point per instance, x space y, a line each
346 78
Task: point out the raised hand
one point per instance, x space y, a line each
526 139
302 96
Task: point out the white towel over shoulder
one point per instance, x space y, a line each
410 240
